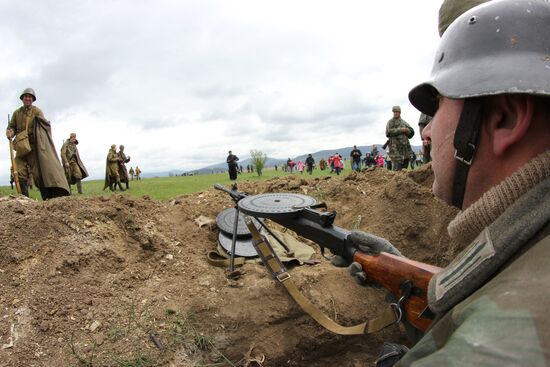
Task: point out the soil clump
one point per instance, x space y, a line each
122 281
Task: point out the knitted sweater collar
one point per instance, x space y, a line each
468 224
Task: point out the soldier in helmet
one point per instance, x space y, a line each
489 95
112 175
74 168
398 132
34 148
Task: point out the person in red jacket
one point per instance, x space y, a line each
337 162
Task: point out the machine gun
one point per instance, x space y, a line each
406 279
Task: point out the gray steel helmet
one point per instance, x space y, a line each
28 91
502 46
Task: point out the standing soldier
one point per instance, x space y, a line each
232 160
131 172
398 132
74 168
34 147
112 175
138 173
122 171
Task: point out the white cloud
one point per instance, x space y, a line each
181 82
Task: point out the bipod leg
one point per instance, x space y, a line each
273 235
234 242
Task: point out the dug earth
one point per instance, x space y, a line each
120 281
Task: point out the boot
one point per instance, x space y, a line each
79 186
127 185
111 186
24 188
120 186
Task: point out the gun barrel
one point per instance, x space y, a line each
220 187
236 195
331 236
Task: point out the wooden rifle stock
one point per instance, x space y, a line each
392 272
14 171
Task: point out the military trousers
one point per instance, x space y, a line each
27 161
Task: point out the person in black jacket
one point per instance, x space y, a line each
355 156
232 160
310 162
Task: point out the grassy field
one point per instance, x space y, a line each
162 188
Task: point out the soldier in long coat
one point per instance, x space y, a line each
74 168
112 176
34 147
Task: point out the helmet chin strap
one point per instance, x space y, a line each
465 142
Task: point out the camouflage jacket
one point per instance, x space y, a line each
504 322
399 145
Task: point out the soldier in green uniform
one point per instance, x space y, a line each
112 176
131 173
490 135
74 168
398 132
31 134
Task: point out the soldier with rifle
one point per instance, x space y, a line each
30 134
489 95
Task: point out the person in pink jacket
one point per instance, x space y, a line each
300 167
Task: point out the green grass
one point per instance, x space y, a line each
162 188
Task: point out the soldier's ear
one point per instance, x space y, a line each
507 120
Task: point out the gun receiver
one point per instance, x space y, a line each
392 272
406 279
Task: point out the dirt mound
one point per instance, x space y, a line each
119 281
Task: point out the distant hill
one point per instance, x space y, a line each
222 167
344 152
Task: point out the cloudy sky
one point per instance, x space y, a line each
179 83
